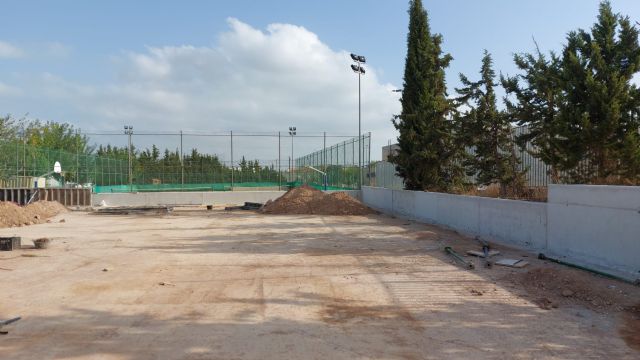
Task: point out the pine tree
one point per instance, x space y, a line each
581 108
427 155
487 132
604 60
537 94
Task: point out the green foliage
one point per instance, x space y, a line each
581 108
486 131
427 156
8 128
56 136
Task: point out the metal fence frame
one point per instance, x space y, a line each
21 163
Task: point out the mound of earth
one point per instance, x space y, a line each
12 215
306 200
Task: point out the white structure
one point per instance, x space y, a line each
389 150
597 226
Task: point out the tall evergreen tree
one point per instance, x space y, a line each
427 156
601 109
487 132
582 108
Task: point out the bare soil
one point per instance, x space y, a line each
36 213
569 286
630 330
306 200
246 285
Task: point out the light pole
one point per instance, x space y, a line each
292 133
128 130
357 68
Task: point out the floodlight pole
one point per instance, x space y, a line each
130 167
292 133
293 164
231 160
359 130
181 164
24 152
128 130
279 165
359 60
77 157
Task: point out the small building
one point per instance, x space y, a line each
389 150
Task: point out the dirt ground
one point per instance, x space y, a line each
244 285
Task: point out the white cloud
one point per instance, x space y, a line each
57 49
8 90
10 51
249 81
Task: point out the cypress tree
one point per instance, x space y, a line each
487 132
426 158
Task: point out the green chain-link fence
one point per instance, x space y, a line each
337 166
21 165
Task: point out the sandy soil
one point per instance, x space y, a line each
305 200
242 285
12 215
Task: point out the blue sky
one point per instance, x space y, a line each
72 60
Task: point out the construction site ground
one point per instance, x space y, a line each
203 284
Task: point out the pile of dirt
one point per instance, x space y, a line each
306 200
12 215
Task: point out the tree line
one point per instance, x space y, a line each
108 165
580 109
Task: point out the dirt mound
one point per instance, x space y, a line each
45 209
13 215
306 200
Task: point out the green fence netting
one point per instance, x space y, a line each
22 164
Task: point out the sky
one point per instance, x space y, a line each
249 66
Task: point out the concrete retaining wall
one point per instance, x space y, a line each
190 198
596 226
520 223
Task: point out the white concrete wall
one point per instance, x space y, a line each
519 223
190 197
523 223
597 226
